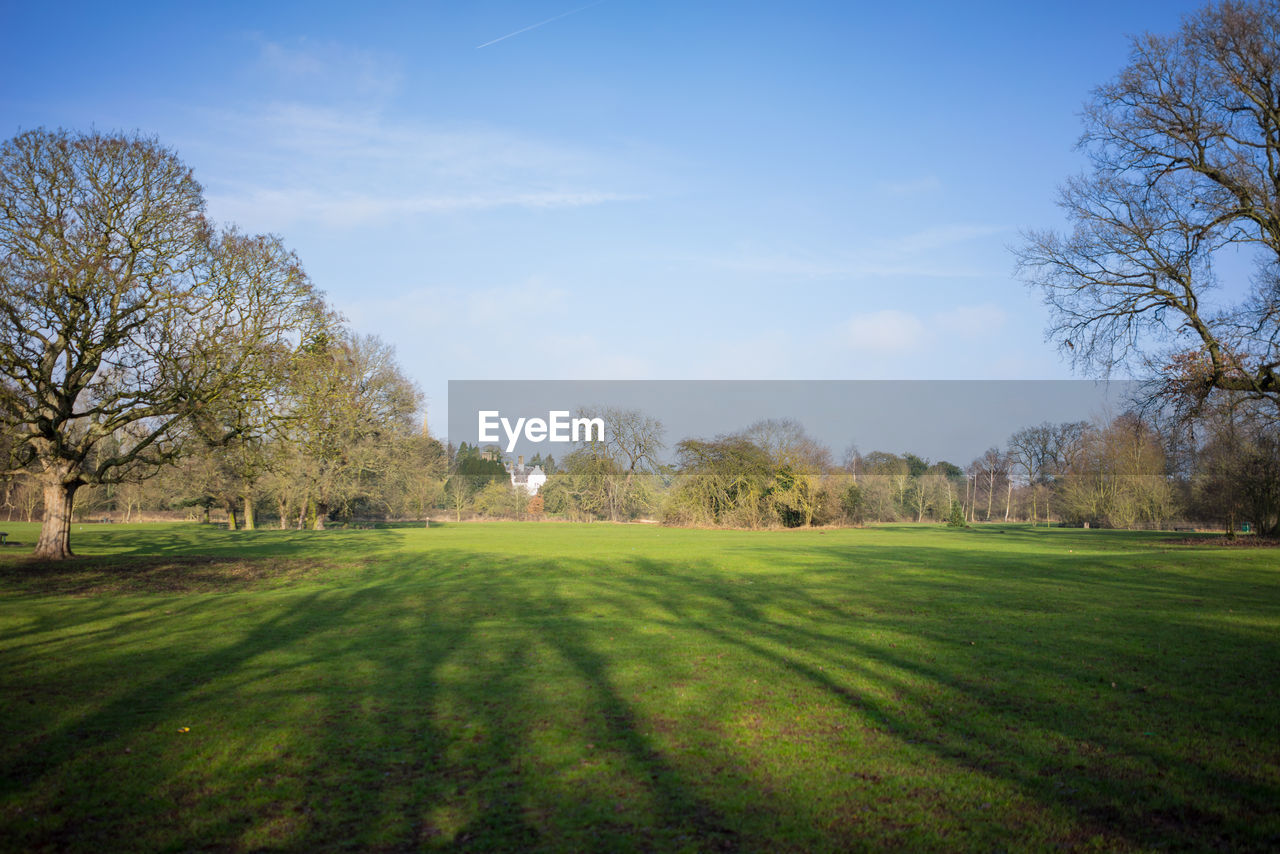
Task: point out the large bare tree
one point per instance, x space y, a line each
123 312
1184 147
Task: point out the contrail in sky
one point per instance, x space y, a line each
541 23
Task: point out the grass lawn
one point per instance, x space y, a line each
600 687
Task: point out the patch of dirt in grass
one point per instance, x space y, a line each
98 576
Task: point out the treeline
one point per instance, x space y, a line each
335 434
1221 469
345 444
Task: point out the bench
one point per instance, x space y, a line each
4 538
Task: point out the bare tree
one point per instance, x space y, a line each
884 479
1236 470
1044 452
1118 477
787 442
122 312
614 476
420 478
1185 151
991 474
349 406
634 440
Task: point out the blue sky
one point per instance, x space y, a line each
634 190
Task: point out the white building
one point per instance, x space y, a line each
528 478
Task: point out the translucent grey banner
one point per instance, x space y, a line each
949 420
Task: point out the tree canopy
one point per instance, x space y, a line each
123 311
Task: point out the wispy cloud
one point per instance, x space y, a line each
971 321
918 254
324 145
452 329
582 355
348 209
469 312
333 70
844 267
940 237
539 24
295 162
891 331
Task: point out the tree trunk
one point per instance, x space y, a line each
55 533
319 512
284 513
248 513
232 523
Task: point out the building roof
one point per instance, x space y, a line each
521 474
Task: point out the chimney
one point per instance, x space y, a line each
520 460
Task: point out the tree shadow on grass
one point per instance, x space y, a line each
115 575
388 723
109 769
1183 754
468 701
530 745
213 541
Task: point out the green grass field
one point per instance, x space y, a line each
597 687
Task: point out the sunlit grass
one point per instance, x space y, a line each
599 687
